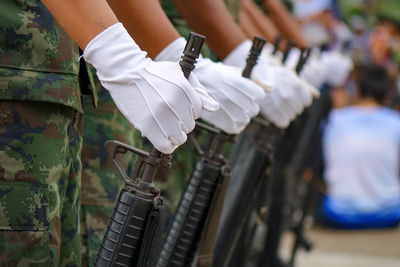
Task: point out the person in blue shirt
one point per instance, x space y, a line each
361 151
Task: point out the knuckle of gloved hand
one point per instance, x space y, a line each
163 144
285 95
246 118
177 139
188 125
253 110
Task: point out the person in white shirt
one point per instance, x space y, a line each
361 150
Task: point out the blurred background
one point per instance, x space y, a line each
354 209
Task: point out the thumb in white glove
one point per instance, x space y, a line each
238 97
155 97
237 57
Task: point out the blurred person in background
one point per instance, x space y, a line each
361 149
384 44
321 23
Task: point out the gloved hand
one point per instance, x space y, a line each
155 97
238 97
293 58
312 74
290 96
314 71
270 59
291 63
237 58
338 67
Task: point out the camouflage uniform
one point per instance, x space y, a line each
40 139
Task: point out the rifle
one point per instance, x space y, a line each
291 166
259 147
197 216
134 234
297 165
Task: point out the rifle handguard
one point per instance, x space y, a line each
181 242
138 215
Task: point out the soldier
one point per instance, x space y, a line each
41 117
224 35
239 107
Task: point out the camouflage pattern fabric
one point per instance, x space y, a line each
40 167
101 182
38 61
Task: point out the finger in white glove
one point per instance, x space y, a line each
291 94
293 58
314 72
338 67
237 58
271 60
238 97
289 98
155 97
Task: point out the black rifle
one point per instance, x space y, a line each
197 216
251 159
134 234
297 165
291 166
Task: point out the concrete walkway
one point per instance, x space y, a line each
333 248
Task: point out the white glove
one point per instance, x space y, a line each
274 60
293 58
314 71
289 98
291 63
238 97
237 57
155 97
337 66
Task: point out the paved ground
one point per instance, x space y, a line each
349 248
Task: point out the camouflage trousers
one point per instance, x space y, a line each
40 167
101 182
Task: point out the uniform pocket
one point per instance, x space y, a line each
23 206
